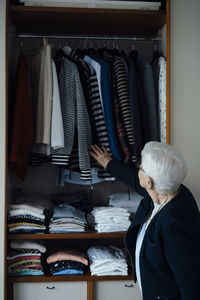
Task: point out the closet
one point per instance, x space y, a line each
143 30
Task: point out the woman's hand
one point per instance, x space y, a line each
101 155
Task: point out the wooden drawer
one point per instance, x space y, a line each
51 291
117 289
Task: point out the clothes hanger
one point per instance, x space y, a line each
134 53
45 41
21 46
156 54
91 50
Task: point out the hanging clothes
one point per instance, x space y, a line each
39 153
89 80
124 102
137 107
23 131
45 96
82 69
107 102
93 96
57 130
146 76
117 114
75 114
159 69
97 67
162 98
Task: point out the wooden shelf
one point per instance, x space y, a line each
84 277
53 236
87 21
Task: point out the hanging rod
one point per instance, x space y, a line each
134 38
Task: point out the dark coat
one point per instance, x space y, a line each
170 253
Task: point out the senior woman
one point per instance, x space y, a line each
164 237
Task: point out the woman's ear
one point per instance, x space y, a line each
149 183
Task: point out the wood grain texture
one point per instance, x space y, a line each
49 278
54 236
90 290
88 21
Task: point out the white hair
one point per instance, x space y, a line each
164 165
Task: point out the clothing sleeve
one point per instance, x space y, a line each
182 252
82 123
127 174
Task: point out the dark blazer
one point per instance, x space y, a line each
146 75
170 253
139 117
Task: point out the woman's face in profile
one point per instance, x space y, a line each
142 177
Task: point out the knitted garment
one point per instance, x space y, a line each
74 114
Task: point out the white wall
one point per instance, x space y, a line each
185 86
2 139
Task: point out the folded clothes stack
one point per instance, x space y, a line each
130 201
68 262
24 257
27 215
67 218
107 261
109 219
78 200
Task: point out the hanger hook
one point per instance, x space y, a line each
85 43
44 41
133 45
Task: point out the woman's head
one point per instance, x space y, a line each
164 165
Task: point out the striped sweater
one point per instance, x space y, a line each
94 104
75 115
121 79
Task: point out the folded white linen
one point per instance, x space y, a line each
98 210
130 201
105 261
96 253
109 219
108 228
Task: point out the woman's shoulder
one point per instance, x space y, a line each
182 209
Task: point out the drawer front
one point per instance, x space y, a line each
117 289
51 291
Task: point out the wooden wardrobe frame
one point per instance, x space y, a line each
14 10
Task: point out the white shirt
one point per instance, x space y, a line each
139 242
57 131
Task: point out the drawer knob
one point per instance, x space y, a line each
50 288
129 285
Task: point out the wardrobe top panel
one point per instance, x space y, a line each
87 21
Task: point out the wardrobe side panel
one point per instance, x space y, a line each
3 96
